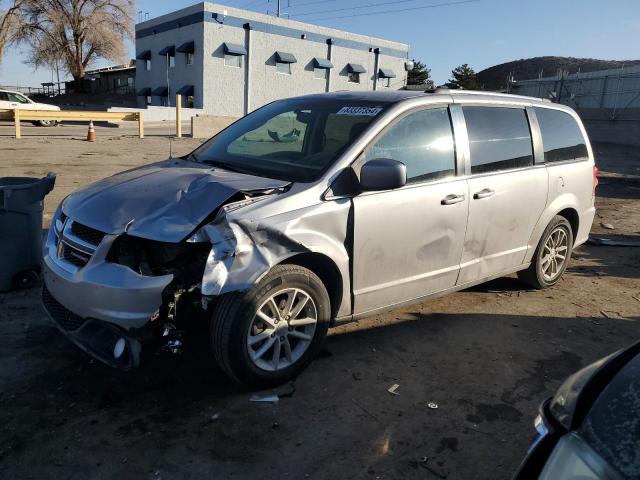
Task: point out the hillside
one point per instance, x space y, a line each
494 78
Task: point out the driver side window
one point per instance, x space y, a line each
423 141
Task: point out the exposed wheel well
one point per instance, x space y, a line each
574 220
326 270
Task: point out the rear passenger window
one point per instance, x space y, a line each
561 136
499 138
423 141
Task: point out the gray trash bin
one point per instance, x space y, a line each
21 204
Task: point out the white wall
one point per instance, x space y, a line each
220 90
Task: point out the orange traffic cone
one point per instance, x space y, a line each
91 134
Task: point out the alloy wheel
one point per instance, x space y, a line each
554 254
282 329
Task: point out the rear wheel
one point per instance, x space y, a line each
269 333
46 123
552 255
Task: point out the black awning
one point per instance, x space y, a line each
322 63
386 73
188 47
234 49
284 57
186 90
146 55
356 68
168 50
144 92
161 92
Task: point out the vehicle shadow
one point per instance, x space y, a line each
479 368
612 261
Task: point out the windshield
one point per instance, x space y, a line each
294 140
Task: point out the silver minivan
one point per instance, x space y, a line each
317 210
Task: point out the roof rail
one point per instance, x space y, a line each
454 91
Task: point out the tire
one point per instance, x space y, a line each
46 123
541 273
234 323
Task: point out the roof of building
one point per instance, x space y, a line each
230 16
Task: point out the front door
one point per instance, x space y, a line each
507 191
408 242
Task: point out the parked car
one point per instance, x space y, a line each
317 210
590 429
10 100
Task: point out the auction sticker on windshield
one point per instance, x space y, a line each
360 111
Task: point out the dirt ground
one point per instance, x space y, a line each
486 357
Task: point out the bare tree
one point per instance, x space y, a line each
9 23
75 32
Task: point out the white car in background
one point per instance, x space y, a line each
10 100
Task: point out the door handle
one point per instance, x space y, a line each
484 193
452 199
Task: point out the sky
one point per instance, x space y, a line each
481 33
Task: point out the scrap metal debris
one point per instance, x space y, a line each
272 398
608 242
393 389
432 405
607 226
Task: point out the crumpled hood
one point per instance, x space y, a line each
164 201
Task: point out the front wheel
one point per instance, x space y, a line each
268 334
551 256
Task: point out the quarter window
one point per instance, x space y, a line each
423 141
233 60
561 136
282 67
499 138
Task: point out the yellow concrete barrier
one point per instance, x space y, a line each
19 115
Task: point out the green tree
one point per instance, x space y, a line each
463 77
419 74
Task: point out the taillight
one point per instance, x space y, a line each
595 178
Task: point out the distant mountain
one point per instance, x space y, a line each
495 78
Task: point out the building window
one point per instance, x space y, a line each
149 100
354 77
386 82
320 73
189 57
188 101
172 61
147 65
233 60
284 68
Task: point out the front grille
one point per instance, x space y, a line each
88 234
74 256
66 319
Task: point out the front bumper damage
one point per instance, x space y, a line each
102 307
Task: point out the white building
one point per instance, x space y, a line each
229 62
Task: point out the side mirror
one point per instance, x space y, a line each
383 174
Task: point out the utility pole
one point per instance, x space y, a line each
278 9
